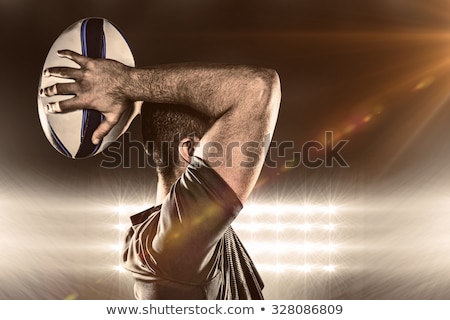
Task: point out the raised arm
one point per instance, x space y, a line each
243 101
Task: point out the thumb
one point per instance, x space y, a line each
102 130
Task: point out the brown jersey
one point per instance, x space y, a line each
185 248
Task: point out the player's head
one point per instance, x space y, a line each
171 133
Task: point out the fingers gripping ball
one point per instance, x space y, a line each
70 133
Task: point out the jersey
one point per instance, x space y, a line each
185 248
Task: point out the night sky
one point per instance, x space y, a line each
375 73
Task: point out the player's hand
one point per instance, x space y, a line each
99 84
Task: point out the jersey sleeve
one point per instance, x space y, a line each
194 216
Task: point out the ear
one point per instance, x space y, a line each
186 148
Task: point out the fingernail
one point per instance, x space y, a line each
49 108
96 141
46 73
52 107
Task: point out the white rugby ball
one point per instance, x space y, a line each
70 133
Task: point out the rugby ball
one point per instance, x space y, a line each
70 133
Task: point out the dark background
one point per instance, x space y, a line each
374 72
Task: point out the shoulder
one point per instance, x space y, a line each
202 182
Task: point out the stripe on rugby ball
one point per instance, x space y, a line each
93 46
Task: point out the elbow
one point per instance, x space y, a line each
274 88
268 89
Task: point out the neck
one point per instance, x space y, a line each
166 177
161 190
164 184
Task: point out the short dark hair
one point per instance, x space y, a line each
163 126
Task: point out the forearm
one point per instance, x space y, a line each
211 89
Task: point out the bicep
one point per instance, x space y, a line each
237 143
